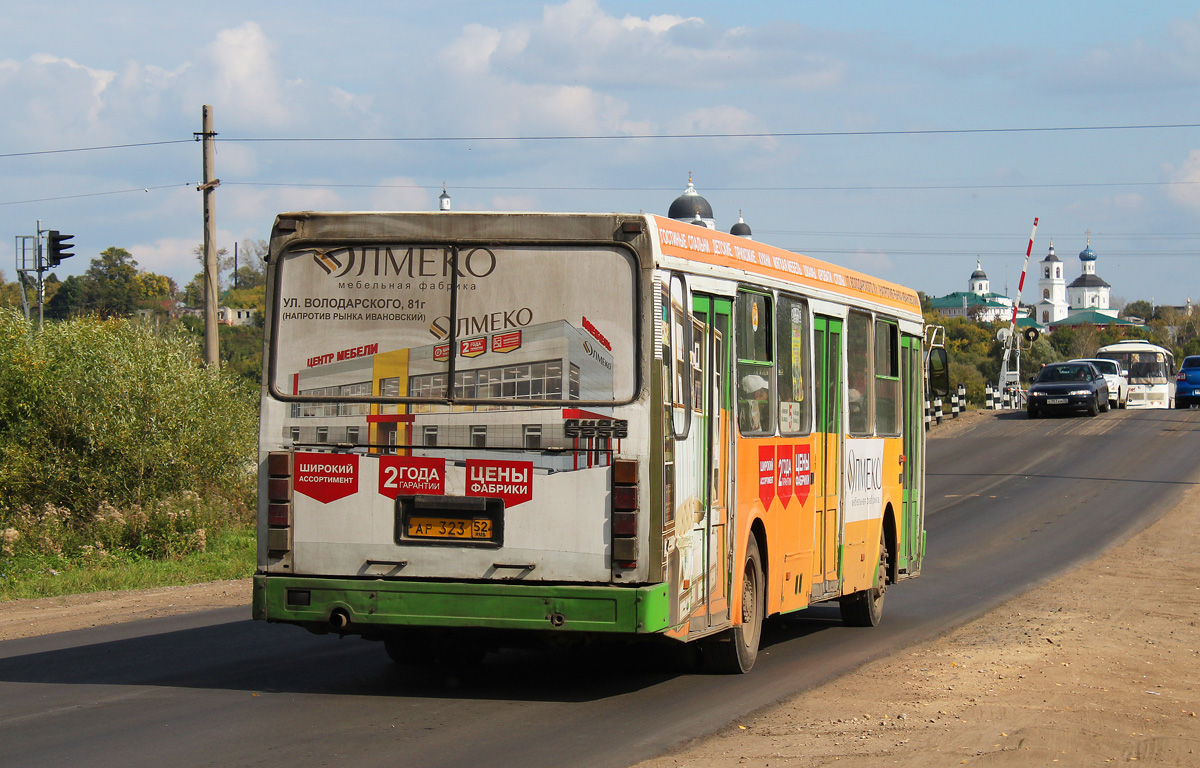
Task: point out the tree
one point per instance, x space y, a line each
68 300
251 264
10 293
224 264
1140 308
112 287
153 287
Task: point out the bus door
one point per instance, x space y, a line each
705 546
913 377
698 514
827 442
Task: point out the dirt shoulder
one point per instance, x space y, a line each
26 618
1101 665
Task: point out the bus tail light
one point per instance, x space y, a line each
625 513
279 503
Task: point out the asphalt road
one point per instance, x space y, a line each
1011 503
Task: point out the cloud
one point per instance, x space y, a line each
725 119
401 193
51 101
870 262
244 77
173 257
1186 189
263 203
515 203
471 53
577 42
1134 66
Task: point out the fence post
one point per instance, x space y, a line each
927 414
988 397
937 410
962 397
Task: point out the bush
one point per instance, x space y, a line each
165 530
111 412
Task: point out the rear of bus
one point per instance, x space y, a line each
454 429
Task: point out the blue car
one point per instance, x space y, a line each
1187 383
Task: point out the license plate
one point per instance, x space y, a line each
1056 401
449 528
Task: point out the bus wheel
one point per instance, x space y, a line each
865 609
735 651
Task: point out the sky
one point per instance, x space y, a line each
905 140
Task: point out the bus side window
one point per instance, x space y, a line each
795 367
755 366
887 378
859 353
680 360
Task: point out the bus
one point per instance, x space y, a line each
1150 369
481 430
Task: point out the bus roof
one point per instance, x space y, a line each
695 243
671 238
1135 345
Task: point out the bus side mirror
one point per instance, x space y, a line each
939 372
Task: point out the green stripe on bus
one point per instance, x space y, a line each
383 603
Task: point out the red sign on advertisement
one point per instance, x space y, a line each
441 352
587 326
783 478
802 472
508 480
411 475
766 474
472 347
506 342
326 477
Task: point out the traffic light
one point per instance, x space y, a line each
57 247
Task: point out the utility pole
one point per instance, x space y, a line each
208 188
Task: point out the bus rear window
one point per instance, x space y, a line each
391 323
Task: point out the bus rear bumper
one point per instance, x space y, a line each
361 606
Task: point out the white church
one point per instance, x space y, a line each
979 301
1085 299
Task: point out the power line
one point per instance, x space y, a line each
95 149
1107 236
625 137
748 135
874 188
960 253
96 194
533 188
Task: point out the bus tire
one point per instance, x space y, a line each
865 609
735 651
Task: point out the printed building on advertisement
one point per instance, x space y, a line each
549 361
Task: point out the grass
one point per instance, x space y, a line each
230 554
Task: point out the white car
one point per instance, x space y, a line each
1117 379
